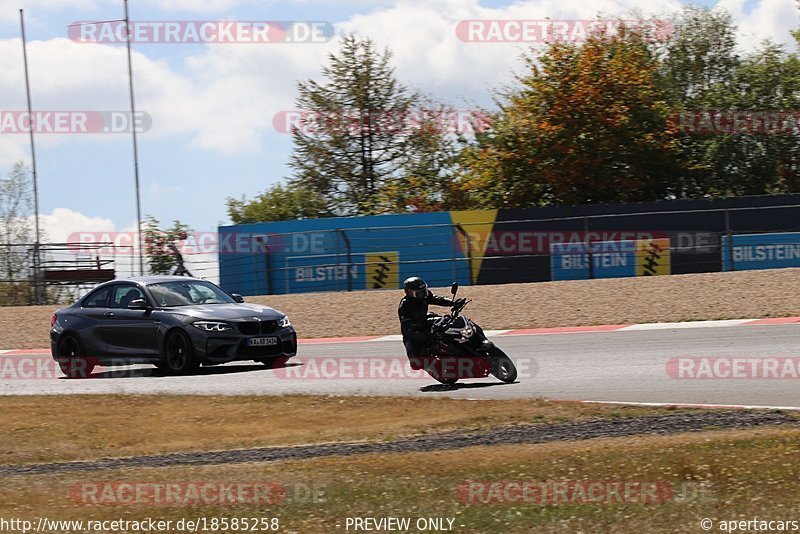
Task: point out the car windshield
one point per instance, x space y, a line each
187 293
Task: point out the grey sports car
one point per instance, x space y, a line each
173 322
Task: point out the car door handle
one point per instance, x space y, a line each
108 314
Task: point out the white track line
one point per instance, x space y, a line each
495 332
690 405
686 324
393 337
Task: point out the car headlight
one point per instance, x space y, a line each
212 326
283 323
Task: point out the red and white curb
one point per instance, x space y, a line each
19 352
533 331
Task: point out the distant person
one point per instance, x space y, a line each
414 318
180 269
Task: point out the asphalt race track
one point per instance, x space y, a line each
629 367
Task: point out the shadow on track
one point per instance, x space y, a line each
458 385
154 372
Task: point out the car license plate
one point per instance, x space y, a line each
262 341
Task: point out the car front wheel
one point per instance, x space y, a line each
179 355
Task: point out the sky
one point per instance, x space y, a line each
211 106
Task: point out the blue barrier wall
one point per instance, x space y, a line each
609 259
508 245
761 251
335 254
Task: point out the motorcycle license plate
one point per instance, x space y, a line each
262 341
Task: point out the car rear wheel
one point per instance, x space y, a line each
74 363
179 355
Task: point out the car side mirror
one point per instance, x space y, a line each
454 289
237 297
138 304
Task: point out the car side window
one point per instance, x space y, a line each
124 294
98 299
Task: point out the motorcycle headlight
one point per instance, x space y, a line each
468 332
283 323
212 326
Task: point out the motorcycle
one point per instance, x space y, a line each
459 349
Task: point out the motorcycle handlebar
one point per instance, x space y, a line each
455 309
459 306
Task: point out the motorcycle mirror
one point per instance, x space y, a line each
454 288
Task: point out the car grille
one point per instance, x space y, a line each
267 350
252 328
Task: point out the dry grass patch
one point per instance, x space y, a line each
84 427
717 474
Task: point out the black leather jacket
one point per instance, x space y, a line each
413 315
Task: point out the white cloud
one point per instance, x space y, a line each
766 19
422 36
223 97
13 149
63 225
222 112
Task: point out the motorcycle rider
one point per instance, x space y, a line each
413 313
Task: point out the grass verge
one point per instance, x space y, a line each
720 475
86 427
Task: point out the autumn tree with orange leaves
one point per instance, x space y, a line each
589 123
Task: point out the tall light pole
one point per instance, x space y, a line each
132 122
36 252
135 142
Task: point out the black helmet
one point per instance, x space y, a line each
415 287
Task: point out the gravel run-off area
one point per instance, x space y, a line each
691 297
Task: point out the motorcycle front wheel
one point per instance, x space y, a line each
501 366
